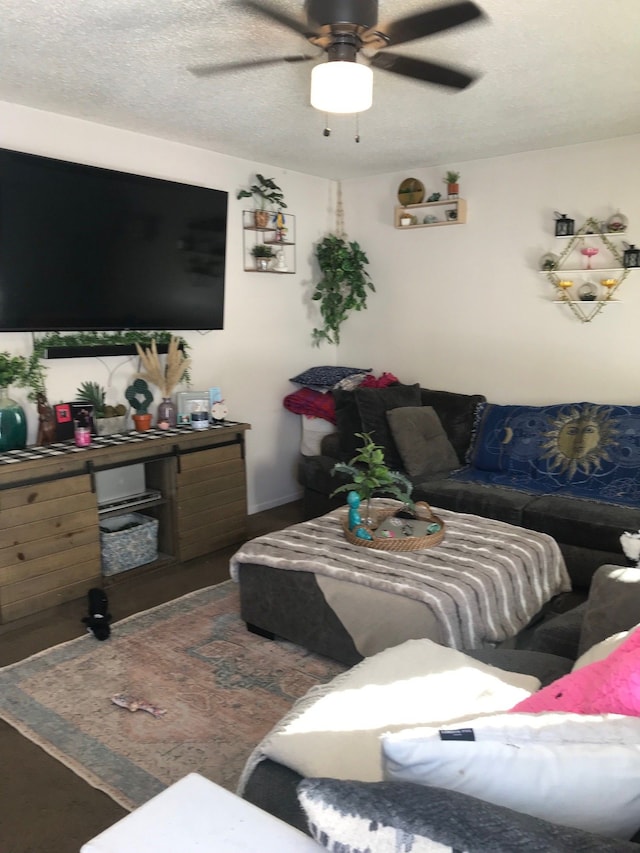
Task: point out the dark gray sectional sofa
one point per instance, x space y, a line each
524 465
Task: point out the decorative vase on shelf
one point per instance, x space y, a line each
13 423
167 413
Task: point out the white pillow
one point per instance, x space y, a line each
335 729
602 649
572 769
313 431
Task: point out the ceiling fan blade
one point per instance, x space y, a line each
431 22
420 69
211 69
274 14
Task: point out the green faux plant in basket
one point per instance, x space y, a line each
371 476
95 394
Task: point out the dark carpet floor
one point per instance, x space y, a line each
44 807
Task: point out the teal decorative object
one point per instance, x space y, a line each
139 389
13 423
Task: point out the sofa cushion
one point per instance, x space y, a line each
457 413
373 405
421 441
613 604
476 498
348 422
588 524
562 446
580 771
335 730
385 817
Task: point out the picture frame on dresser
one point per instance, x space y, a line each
189 402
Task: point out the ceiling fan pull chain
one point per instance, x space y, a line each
357 136
339 212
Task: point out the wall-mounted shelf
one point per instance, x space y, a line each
281 240
586 310
91 351
451 211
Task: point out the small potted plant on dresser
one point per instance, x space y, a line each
263 256
267 195
139 397
108 419
451 180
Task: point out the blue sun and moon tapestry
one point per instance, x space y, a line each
581 449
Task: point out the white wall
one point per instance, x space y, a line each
460 307
268 321
464 308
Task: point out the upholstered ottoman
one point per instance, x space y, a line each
479 587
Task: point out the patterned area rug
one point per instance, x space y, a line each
222 687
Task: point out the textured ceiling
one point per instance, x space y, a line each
554 72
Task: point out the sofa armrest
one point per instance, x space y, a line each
330 445
272 787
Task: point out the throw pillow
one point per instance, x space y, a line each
348 422
326 376
335 729
421 441
602 650
608 686
613 604
553 766
373 405
457 413
384 817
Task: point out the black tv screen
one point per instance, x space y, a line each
85 248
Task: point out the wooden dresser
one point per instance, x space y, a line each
195 485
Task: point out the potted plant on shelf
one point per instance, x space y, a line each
451 180
343 286
267 195
370 477
23 372
139 398
108 419
263 255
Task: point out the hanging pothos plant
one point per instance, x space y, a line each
343 286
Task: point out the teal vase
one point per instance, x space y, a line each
13 423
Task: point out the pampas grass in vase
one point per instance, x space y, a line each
165 377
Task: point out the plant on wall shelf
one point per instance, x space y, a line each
262 251
266 193
343 286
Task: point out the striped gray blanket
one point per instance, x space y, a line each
482 584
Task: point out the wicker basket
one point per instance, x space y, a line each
407 543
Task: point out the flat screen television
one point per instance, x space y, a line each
86 248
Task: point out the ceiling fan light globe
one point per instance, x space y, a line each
341 87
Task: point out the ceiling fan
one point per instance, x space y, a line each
343 28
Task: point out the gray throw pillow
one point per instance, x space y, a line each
384 817
373 405
613 604
422 442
